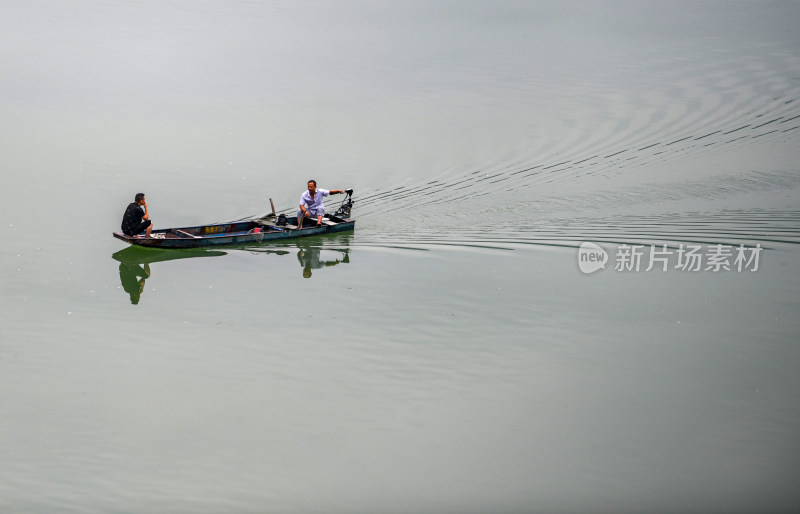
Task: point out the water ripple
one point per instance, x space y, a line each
768 228
646 152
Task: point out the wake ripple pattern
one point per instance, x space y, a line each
636 176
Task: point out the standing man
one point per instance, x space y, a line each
135 220
311 203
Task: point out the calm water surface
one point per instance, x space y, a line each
449 355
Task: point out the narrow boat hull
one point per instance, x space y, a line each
238 233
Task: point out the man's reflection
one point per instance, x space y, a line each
309 258
134 265
132 277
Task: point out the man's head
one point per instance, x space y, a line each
136 294
139 198
312 185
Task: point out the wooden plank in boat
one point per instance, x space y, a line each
184 234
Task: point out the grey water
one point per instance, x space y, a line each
450 354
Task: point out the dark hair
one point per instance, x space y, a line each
314 181
139 197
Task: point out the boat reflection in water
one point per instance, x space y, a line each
134 265
314 252
310 258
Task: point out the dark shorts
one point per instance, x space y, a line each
138 229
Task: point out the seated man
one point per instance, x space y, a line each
311 203
135 220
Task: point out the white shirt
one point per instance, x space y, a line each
315 204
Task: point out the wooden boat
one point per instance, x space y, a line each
260 230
